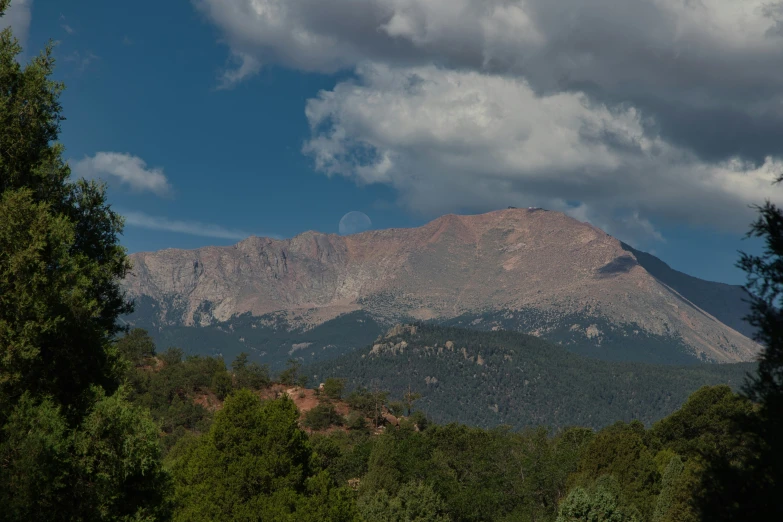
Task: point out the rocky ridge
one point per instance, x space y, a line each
515 259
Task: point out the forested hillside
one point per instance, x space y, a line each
270 339
243 446
507 378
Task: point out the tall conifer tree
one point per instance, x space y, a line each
71 446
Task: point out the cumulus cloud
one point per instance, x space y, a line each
690 63
193 228
466 140
17 17
125 168
635 110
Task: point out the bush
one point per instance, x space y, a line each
290 375
333 388
222 384
250 375
172 355
396 408
322 417
370 404
357 422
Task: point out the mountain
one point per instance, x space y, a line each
727 303
507 378
529 270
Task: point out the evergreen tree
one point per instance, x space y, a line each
136 346
333 388
71 446
415 502
747 484
254 464
251 453
669 485
600 505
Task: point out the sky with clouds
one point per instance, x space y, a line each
660 121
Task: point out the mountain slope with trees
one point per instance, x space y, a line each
495 378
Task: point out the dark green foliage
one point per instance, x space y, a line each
704 425
410 397
520 380
322 417
344 455
172 356
598 505
415 502
666 505
254 464
620 453
419 420
71 446
333 388
478 474
222 384
136 346
250 375
357 422
290 375
370 404
268 339
623 473
169 388
747 483
396 408
108 468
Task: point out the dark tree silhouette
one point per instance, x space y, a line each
747 483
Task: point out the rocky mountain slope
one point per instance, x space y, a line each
535 271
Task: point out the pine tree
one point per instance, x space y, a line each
748 484
71 446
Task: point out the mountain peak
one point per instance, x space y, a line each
542 263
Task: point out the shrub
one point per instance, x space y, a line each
321 417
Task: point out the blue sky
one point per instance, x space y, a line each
212 120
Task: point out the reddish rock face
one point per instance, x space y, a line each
504 260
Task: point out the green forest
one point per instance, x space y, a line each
489 379
96 423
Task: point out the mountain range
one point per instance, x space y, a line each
528 270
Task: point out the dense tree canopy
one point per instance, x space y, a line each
71 446
254 464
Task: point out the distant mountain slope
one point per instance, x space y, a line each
270 339
727 303
493 378
541 272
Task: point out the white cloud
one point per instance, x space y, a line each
18 18
247 67
82 60
466 140
640 111
125 168
64 24
193 228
